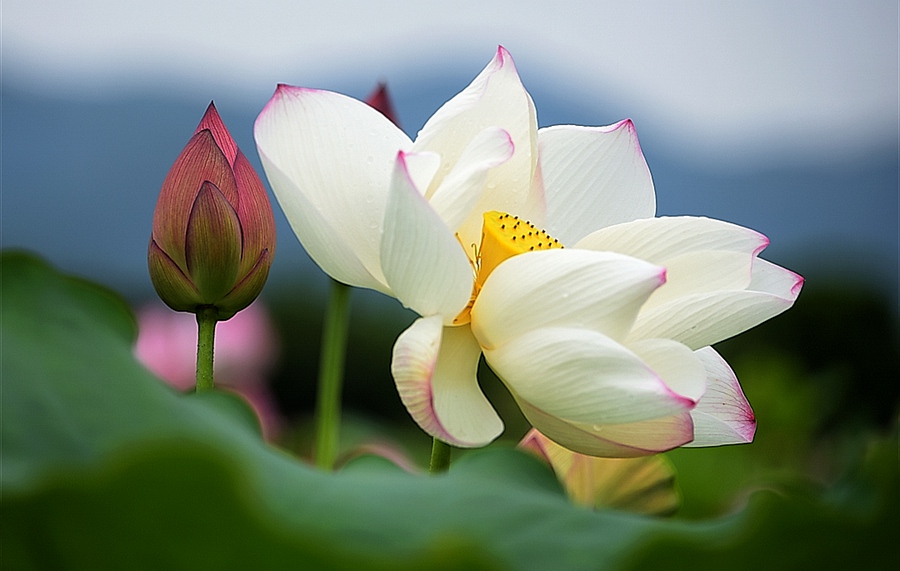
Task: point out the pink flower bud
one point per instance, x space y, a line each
381 101
213 233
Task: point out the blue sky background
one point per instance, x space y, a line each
781 116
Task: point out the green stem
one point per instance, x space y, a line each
206 335
331 376
440 457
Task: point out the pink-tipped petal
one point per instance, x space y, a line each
496 98
570 288
707 318
413 364
338 154
583 376
723 415
629 440
421 168
422 261
658 240
463 186
675 364
702 271
434 368
593 177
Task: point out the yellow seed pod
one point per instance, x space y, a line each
503 236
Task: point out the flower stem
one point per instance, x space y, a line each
440 457
206 335
331 376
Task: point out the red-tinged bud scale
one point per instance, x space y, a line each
213 233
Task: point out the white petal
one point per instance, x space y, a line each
338 153
773 279
614 440
421 168
601 291
700 254
461 407
423 263
462 187
434 368
496 98
702 271
593 177
583 376
320 238
658 240
413 365
723 415
707 318
676 365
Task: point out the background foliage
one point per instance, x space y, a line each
105 467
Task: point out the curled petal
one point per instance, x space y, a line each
676 365
496 98
413 365
593 177
337 153
422 261
707 318
570 288
421 168
583 376
434 368
658 240
723 415
462 187
697 272
628 440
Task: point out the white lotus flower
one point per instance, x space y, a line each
604 344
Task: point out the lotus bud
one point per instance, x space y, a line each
213 236
381 101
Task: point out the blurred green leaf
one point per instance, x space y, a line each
104 467
852 526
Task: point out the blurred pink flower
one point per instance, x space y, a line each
245 350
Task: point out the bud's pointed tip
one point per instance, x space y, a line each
380 99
